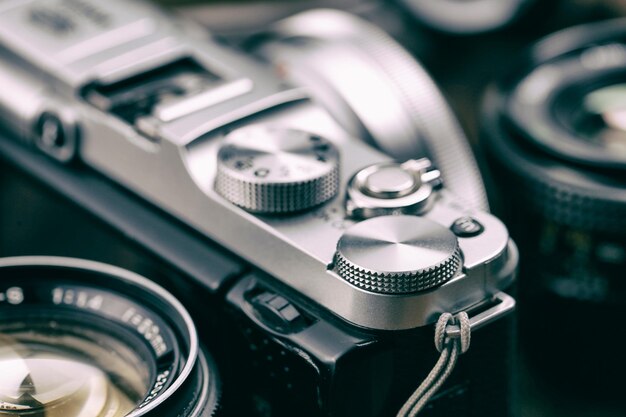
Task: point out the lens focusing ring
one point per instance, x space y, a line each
55 306
569 205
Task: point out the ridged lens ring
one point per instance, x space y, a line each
555 134
84 339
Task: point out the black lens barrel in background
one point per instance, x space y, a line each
557 152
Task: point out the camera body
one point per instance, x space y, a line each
224 160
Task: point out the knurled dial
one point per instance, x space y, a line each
277 170
398 255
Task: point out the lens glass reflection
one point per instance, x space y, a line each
57 368
600 119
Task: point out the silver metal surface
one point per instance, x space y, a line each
175 166
392 188
466 17
376 91
221 93
398 254
389 182
267 169
503 304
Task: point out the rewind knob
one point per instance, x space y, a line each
398 255
276 170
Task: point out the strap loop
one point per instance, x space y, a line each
466 333
440 330
450 349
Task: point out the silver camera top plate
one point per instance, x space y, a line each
150 103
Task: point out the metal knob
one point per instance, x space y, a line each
392 188
398 254
376 90
277 170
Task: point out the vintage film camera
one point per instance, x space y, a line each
314 265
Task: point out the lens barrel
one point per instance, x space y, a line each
554 138
83 338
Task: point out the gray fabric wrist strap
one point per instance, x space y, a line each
450 349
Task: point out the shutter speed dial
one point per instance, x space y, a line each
398 255
277 170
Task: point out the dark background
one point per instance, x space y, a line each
463 67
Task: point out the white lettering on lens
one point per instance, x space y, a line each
158 386
57 295
95 303
80 299
68 297
128 314
15 295
148 329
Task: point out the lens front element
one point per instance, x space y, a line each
602 118
60 369
83 339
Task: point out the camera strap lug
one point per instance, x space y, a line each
452 338
502 305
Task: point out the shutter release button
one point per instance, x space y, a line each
390 182
392 188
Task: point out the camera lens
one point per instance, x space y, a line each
555 134
601 117
64 368
79 338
